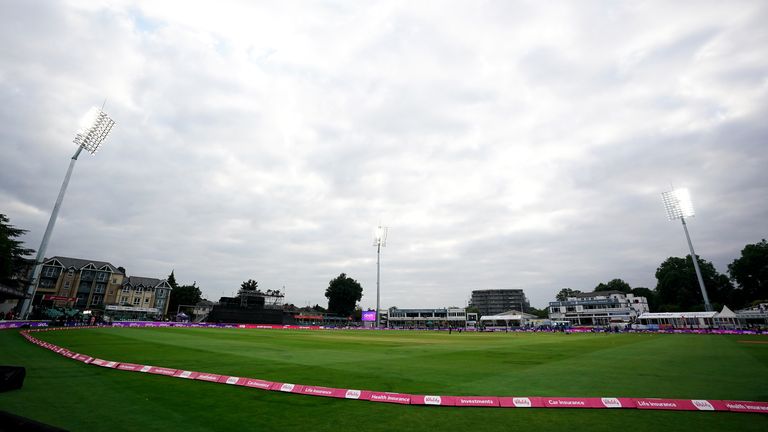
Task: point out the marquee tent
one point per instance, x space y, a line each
510 318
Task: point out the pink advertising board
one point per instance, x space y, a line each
257 383
231 380
521 402
323 391
186 374
396 398
202 376
162 371
129 367
476 401
356 394
82 358
745 406
666 404
559 402
709 405
433 400
104 363
286 387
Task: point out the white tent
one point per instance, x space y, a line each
679 319
510 318
727 318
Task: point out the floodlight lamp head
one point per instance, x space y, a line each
94 128
380 236
678 204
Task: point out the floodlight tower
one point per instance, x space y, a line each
379 240
679 206
94 128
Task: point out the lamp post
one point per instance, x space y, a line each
94 128
379 240
679 206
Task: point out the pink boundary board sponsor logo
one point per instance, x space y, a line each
162 371
83 358
104 363
323 391
476 401
231 380
521 402
397 398
433 400
557 402
202 376
356 394
666 404
703 405
186 374
257 383
746 406
129 367
610 402
286 387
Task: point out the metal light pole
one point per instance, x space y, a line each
679 206
94 129
380 239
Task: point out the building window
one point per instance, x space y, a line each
100 287
67 284
96 299
102 277
124 299
126 289
46 283
136 301
114 280
70 272
160 303
50 272
138 289
146 300
161 293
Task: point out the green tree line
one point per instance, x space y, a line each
677 288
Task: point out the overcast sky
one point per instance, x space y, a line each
505 144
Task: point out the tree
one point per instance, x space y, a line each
678 288
250 285
565 293
357 314
750 272
184 295
172 280
614 285
539 313
13 256
342 294
650 295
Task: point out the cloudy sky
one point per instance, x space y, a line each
506 144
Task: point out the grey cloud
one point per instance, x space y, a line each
534 164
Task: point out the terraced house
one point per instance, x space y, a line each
140 296
89 284
76 282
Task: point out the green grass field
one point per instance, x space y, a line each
82 397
